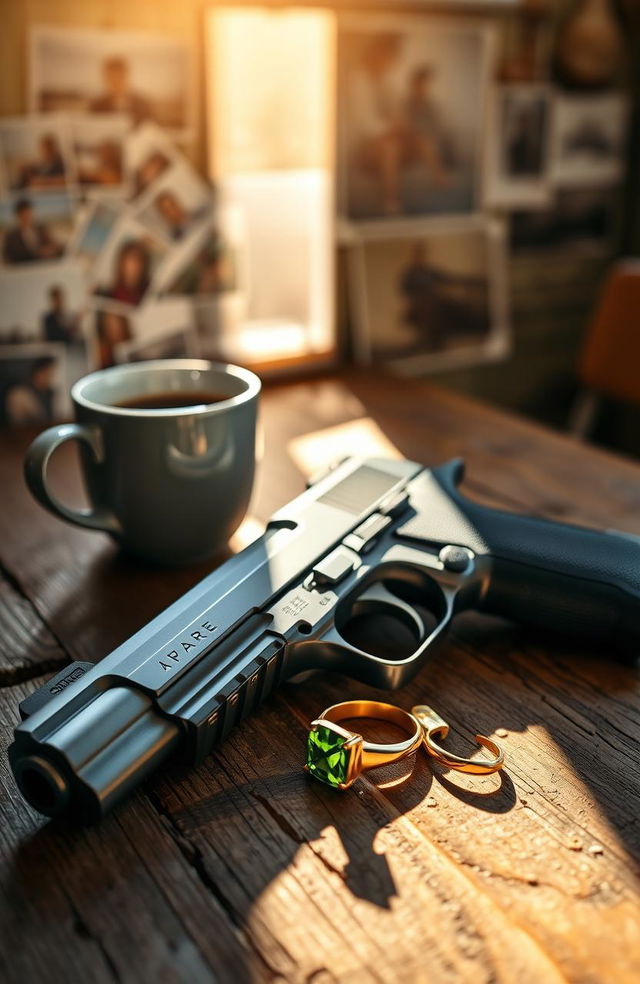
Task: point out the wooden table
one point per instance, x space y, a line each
246 870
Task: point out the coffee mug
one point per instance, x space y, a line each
169 483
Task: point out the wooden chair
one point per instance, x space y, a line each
610 360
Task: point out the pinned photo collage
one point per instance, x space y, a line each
452 153
153 261
427 263
107 256
554 161
113 247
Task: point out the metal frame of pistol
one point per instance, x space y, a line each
360 574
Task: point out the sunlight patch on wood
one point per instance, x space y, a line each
320 449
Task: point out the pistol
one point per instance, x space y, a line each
361 574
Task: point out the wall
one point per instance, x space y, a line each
551 297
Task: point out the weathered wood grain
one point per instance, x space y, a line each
244 869
27 647
559 833
347 883
122 902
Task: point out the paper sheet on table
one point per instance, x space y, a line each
319 449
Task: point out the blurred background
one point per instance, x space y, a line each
442 189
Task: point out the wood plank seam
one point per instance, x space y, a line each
286 828
81 933
11 675
194 858
85 932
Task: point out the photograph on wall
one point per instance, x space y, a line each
411 97
517 162
99 153
115 336
162 329
33 384
94 224
173 344
128 263
150 153
579 218
44 303
143 76
589 140
431 301
35 228
36 154
176 202
208 263
106 327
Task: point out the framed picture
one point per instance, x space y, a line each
176 202
517 163
589 139
578 219
143 76
35 228
128 263
33 384
99 153
431 300
36 154
411 96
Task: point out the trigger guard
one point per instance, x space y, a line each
378 592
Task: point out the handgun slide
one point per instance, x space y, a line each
361 574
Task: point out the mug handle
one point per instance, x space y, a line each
35 473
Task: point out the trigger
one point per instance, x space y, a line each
378 592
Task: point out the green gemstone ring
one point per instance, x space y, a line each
336 756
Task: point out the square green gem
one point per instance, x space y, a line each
327 758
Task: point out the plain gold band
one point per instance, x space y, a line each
433 725
374 754
476 767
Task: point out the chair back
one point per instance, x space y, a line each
610 359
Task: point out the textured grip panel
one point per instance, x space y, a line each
555 575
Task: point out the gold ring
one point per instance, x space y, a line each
336 756
432 724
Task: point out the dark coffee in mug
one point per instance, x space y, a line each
171 400
168 455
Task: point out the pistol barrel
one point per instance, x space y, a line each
87 763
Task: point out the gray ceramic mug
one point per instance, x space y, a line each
169 485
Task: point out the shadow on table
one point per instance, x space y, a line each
341 827
585 700
240 819
276 815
